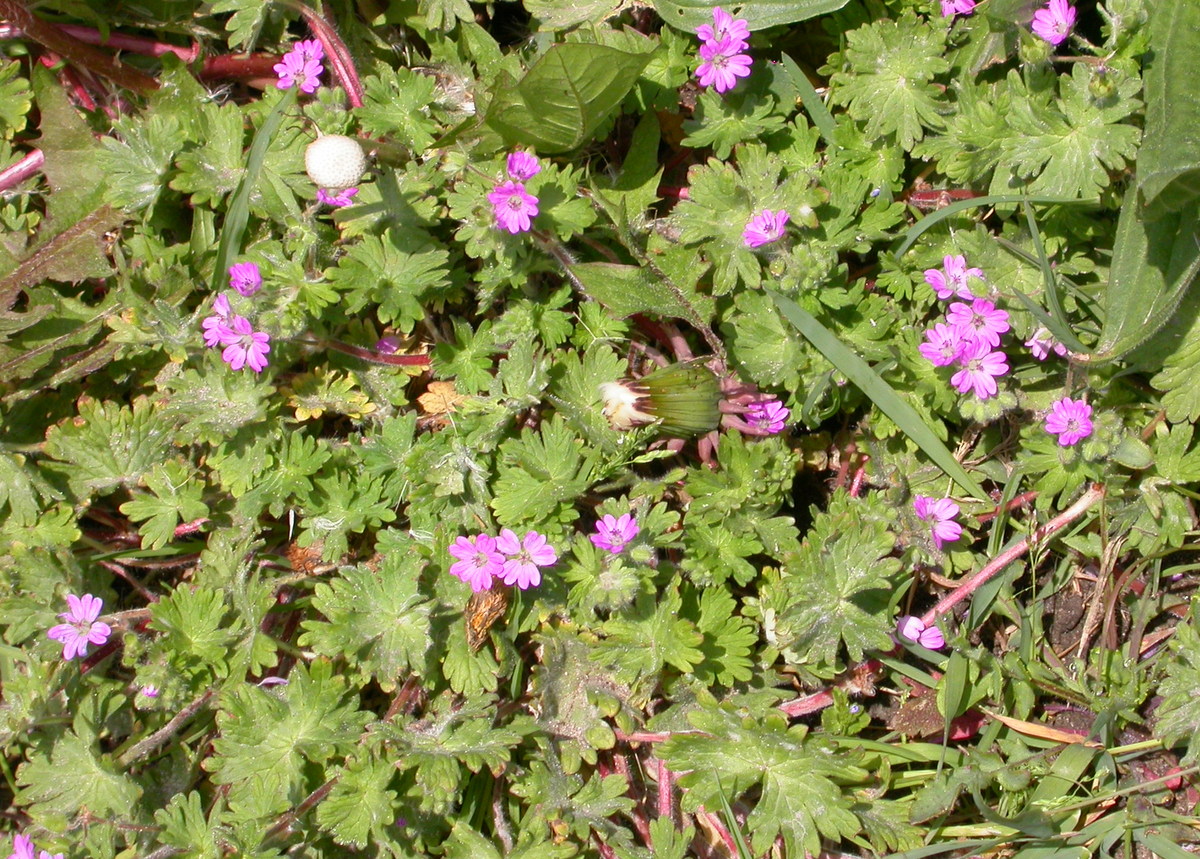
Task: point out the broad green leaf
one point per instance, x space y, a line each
1169 161
360 806
690 14
195 631
70 778
1154 264
564 97
15 99
1177 719
176 498
629 289
878 391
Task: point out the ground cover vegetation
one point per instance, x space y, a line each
608 428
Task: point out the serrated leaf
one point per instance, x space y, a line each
1177 718
564 97
192 621
15 99
184 826
70 778
376 616
540 475
398 272
360 805
800 799
644 639
396 103
177 498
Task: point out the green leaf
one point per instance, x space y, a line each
564 97
878 391
212 168
375 615
139 163
396 104
643 640
1153 266
360 806
690 14
629 289
343 504
1168 169
888 74
70 778
540 475
1177 719
800 798
184 826
177 497
15 99
195 633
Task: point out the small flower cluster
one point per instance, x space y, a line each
1054 23
484 557
242 346
513 206
23 849
764 228
301 66
723 60
971 333
80 627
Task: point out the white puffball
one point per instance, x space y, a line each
335 162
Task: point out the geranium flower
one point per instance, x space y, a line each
522 166
952 278
770 417
246 347
723 64
1055 22
1070 420
950 8
337 200
478 561
216 327
301 66
245 278
982 320
944 344
1042 342
725 26
22 847
513 207
940 512
911 629
764 228
80 626
981 366
523 557
614 533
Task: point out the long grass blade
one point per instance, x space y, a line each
932 220
878 392
817 111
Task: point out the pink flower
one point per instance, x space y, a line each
982 320
478 561
150 690
764 228
940 512
522 166
245 278
980 367
1070 420
911 629
22 847
246 347
513 207
945 343
723 64
1042 342
613 534
950 8
725 26
301 65
769 417
338 199
216 327
524 557
1054 23
954 280
80 627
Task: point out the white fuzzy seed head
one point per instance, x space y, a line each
335 162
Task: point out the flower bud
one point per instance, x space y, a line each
681 399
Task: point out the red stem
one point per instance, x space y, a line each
22 170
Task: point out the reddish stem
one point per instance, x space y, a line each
22 170
1089 499
666 790
1021 500
378 357
336 52
808 704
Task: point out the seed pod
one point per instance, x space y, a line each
682 399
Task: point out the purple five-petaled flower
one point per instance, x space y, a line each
981 366
764 228
769 417
723 64
912 629
301 66
950 8
951 279
245 278
1070 420
523 557
981 319
944 344
513 206
614 533
478 561
338 199
216 327
1042 342
80 627
245 347
940 513
522 166
725 26
1055 22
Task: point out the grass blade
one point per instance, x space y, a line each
816 109
878 391
932 220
